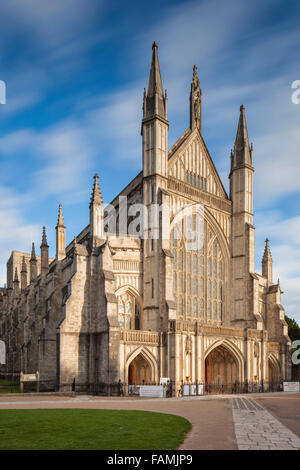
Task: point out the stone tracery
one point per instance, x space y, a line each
198 274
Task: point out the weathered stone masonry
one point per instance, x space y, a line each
127 307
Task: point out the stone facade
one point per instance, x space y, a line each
135 307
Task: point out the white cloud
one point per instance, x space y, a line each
213 34
291 297
284 234
13 228
66 153
50 24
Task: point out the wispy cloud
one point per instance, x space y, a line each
14 227
284 234
242 57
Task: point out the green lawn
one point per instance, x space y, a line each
90 429
7 386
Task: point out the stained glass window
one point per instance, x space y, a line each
127 311
198 274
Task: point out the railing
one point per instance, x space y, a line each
124 265
122 389
211 388
136 336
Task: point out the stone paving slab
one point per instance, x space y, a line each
257 429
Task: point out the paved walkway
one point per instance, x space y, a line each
285 409
257 429
223 423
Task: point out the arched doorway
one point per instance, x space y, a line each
274 373
221 367
139 371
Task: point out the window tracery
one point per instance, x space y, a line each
198 275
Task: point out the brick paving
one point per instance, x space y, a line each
257 429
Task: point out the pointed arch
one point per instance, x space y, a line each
132 290
146 354
193 230
231 348
274 369
129 319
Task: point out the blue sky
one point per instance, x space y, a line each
75 72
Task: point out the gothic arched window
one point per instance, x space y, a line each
198 274
215 280
128 312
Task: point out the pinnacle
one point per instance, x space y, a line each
155 83
60 221
241 145
96 194
267 252
24 266
242 134
16 279
33 255
196 81
44 238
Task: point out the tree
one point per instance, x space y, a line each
293 327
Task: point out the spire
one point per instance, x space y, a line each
155 83
24 266
195 102
96 197
60 221
267 263
24 274
60 236
154 101
44 253
33 255
16 278
267 252
96 211
16 283
242 150
44 239
33 264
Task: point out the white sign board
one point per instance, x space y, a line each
193 390
156 391
164 380
2 352
29 377
291 387
200 389
186 390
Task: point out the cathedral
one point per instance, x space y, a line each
135 297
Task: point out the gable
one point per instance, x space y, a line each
190 161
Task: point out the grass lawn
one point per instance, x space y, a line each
90 429
9 387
